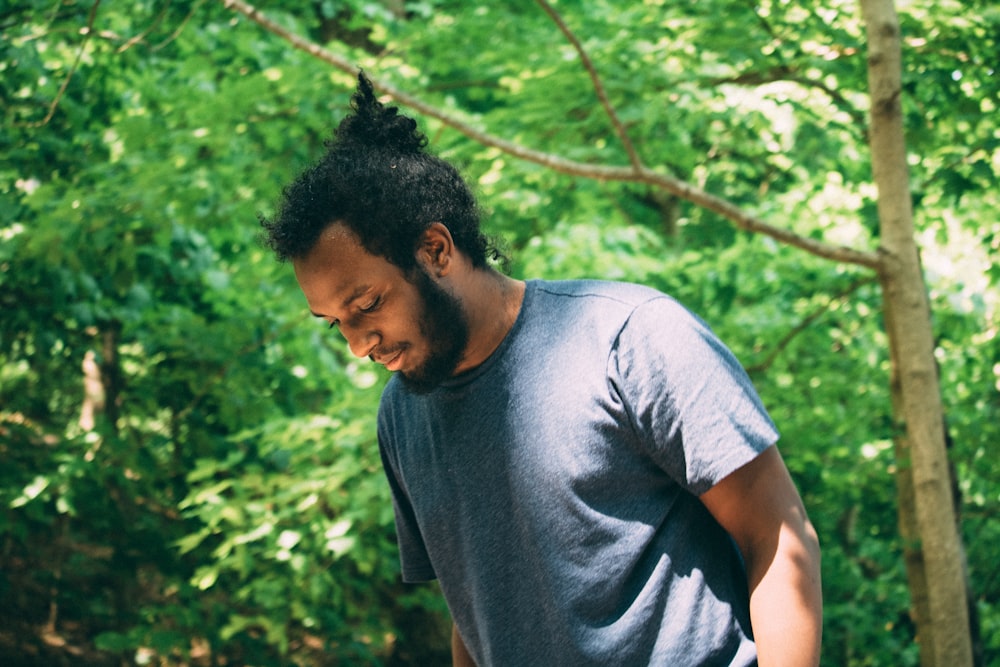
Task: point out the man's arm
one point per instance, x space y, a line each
459 654
760 507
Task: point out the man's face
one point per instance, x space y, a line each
412 325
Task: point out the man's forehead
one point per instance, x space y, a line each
336 243
337 250
339 270
338 232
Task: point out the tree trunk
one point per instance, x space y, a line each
925 503
909 532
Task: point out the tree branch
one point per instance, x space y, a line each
602 95
142 35
72 70
786 73
808 321
176 33
633 174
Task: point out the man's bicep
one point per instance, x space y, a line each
756 502
760 507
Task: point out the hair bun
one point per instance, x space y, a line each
373 125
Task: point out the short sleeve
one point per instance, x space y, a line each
692 404
415 563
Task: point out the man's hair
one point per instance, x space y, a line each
377 179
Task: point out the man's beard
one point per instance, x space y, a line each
445 328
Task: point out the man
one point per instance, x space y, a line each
582 465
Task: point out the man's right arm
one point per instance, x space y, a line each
760 507
459 654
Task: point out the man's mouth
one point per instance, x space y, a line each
392 361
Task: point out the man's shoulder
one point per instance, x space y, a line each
628 294
610 302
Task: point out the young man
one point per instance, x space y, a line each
583 465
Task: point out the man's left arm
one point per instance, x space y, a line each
760 507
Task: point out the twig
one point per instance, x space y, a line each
602 95
631 174
176 33
785 73
69 75
142 35
808 321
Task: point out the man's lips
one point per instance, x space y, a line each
391 361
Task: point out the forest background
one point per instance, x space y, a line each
190 475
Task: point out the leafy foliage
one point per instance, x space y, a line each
191 470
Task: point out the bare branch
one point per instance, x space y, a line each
602 95
631 174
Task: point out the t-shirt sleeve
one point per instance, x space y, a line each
691 402
415 564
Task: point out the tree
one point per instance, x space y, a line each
937 574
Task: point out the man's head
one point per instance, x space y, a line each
376 179
409 322
380 234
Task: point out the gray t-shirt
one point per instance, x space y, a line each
552 490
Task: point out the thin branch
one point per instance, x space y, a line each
631 174
785 73
69 75
176 33
54 14
809 320
595 78
142 35
965 158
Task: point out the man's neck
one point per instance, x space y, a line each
492 302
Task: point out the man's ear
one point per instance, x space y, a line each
437 250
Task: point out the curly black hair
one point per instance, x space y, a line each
377 178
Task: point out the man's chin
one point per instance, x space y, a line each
428 378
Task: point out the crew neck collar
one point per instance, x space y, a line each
466 377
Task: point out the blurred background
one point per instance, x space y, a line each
188 466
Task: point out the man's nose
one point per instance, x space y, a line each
360 342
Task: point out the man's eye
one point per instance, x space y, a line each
372 306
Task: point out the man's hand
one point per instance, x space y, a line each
459 654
